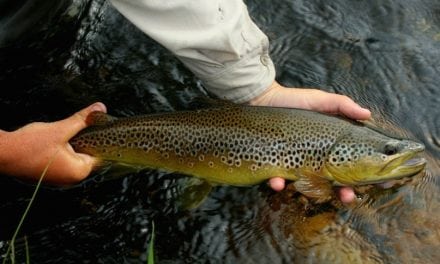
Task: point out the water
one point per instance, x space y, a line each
384 54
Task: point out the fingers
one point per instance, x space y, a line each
82 167
73 124
330 103
312 99
277 183
346 194
350 109
35 144
73 166
69 168
336 104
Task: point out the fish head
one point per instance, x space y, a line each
371 158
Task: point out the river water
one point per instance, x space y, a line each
59 56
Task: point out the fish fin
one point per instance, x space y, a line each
109 170
193 193
314 187
98 118
119 170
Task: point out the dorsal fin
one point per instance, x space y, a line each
98 118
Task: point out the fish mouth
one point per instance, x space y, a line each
416 161
400 175
404 172
405 164
393 183
373 172
402 166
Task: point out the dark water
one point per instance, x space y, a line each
58 56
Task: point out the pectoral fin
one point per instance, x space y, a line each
192 193
108 171
314 187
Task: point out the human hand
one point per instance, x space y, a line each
25 152
311 99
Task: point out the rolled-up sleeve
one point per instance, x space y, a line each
216 40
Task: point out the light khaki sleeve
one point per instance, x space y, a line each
215 39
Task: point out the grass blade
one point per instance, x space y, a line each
151 246
23 217
28 259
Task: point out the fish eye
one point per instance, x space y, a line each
390 149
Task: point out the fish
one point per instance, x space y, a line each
243 145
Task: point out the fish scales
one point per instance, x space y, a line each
239 145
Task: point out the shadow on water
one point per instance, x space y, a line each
384 54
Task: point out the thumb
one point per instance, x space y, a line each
70 126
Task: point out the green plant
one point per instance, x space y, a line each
151 246
11 248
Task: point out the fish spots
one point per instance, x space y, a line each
236 144
253 167
229 136
354 147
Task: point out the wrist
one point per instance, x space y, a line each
267 97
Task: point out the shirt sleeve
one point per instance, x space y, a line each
215 39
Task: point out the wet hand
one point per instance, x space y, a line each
345 194
317 100
26 152
311 99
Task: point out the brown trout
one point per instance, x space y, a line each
244 145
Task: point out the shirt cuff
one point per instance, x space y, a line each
240 81
216 40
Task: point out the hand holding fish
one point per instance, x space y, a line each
48 138
311 99
26 152
246 145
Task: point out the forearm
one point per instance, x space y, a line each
17 153
217 41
